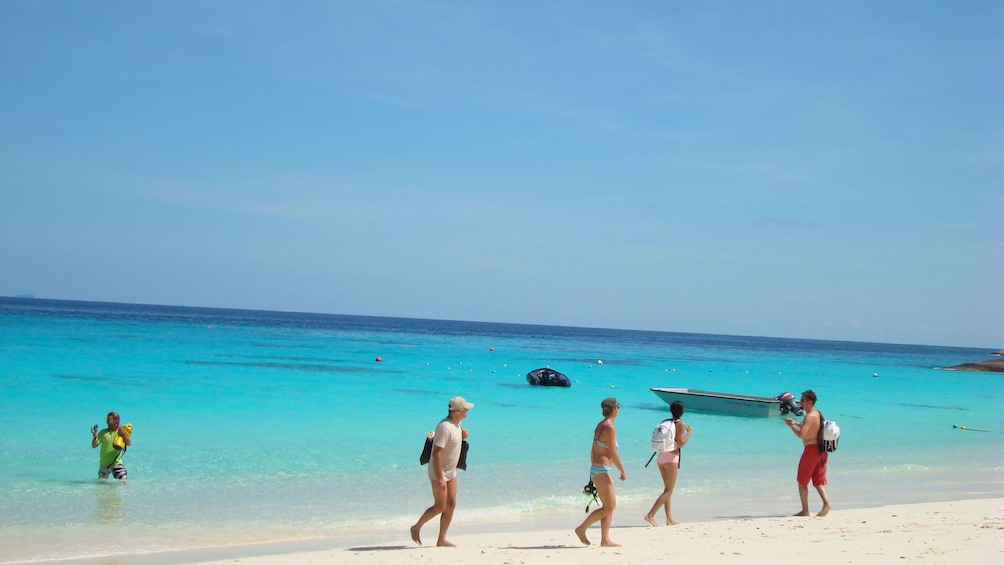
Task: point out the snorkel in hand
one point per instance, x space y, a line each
590 491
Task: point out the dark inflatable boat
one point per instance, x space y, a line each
547 377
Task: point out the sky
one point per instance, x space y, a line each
821 170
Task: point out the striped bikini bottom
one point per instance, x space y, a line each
598 469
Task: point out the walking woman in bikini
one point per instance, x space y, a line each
669 466
604 457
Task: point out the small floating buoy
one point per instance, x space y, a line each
874 375
209 327
491 349
599 361
379 360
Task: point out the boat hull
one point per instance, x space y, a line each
721 402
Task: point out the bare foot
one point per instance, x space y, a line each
444 543
581 532
802 513
672 523
415 531
609 543
824 511
651 520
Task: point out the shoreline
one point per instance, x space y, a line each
970 530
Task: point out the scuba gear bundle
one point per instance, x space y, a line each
590 491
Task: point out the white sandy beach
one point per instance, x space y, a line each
968 531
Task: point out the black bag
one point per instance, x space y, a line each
426 455
462 463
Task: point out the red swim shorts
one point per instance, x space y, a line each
812 465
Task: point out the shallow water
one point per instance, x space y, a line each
260 427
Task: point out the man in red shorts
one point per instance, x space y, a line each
812 465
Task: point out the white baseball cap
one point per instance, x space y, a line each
458 403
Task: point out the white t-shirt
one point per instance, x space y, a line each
449 437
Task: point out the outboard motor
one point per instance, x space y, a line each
789 404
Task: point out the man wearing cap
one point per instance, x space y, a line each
113 441
446 445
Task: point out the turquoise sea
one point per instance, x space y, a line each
254 427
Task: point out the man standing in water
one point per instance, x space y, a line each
812 465
446 445
110 456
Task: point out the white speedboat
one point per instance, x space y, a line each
729 403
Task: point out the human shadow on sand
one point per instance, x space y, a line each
750 516
541 547
382 547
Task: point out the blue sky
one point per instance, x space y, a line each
830 170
